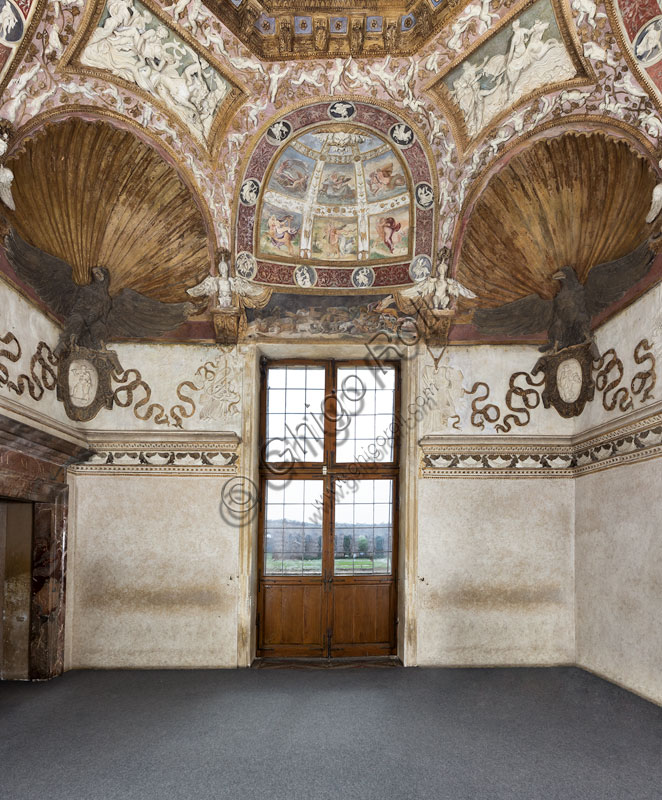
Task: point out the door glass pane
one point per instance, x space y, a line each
363 538
365 414
295 414
293 527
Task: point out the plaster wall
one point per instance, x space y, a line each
495 572
619 576
153 573
30 326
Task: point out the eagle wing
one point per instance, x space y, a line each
49 276
133 315
531 314
457 289
419 289
252 295
608 282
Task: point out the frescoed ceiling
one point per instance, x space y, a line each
511 137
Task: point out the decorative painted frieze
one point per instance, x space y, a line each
543 457
204 455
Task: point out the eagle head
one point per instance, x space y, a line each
101 274
565 274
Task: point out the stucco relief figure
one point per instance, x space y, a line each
217 287
533 55
6 175
444 386
219 397
567 318
136 47
476 16
91 315
440 289
648 45
569 380
220 288
83 381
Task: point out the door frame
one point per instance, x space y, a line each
330 472
407 592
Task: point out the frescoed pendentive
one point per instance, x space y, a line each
522 56
336 192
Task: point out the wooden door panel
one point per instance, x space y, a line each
363 614
292 614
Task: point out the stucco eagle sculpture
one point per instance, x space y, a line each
567 318
91 315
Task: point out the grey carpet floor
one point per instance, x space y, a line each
329 734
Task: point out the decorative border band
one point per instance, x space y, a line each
444 458
162 458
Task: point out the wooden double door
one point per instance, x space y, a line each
328 528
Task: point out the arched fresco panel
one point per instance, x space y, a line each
338 195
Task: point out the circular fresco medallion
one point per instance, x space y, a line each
424 195
342 109
402 134
420 268
249 192
363 277
245 265
305 276
648 43
279 132
569 380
